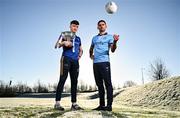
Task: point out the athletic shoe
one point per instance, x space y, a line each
99 108
108 108
75 107
58 107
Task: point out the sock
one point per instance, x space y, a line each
57 102
73 103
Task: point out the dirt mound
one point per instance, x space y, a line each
163 94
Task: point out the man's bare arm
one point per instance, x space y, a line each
114 45
91 52
80 52
61 43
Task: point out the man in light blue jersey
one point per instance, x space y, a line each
99 53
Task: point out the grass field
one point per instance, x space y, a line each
43 108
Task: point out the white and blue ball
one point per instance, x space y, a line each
111 7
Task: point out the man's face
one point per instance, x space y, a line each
74 28
102 27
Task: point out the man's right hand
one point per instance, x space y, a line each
67 44
92 57
63 43
91 52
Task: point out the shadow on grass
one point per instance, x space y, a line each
55 114
49 112
97 95
106 114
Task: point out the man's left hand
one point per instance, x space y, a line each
116 37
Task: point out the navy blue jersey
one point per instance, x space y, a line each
73 52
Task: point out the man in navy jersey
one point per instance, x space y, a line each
72 52
99 53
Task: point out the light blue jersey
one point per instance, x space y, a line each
101 44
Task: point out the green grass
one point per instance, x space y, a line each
136 112
122 112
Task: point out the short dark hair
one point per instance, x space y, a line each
101 21
74 22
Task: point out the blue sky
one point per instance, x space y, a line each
148 29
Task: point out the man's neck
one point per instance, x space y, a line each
102 33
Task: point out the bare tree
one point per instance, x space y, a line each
54 87
67 88
158 70
40 87
129 84
50 87
2 87
82 86
20 87
6 90
90 88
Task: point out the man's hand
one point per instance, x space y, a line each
114 46
67 44
116 37
92 57
63 43
80 52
